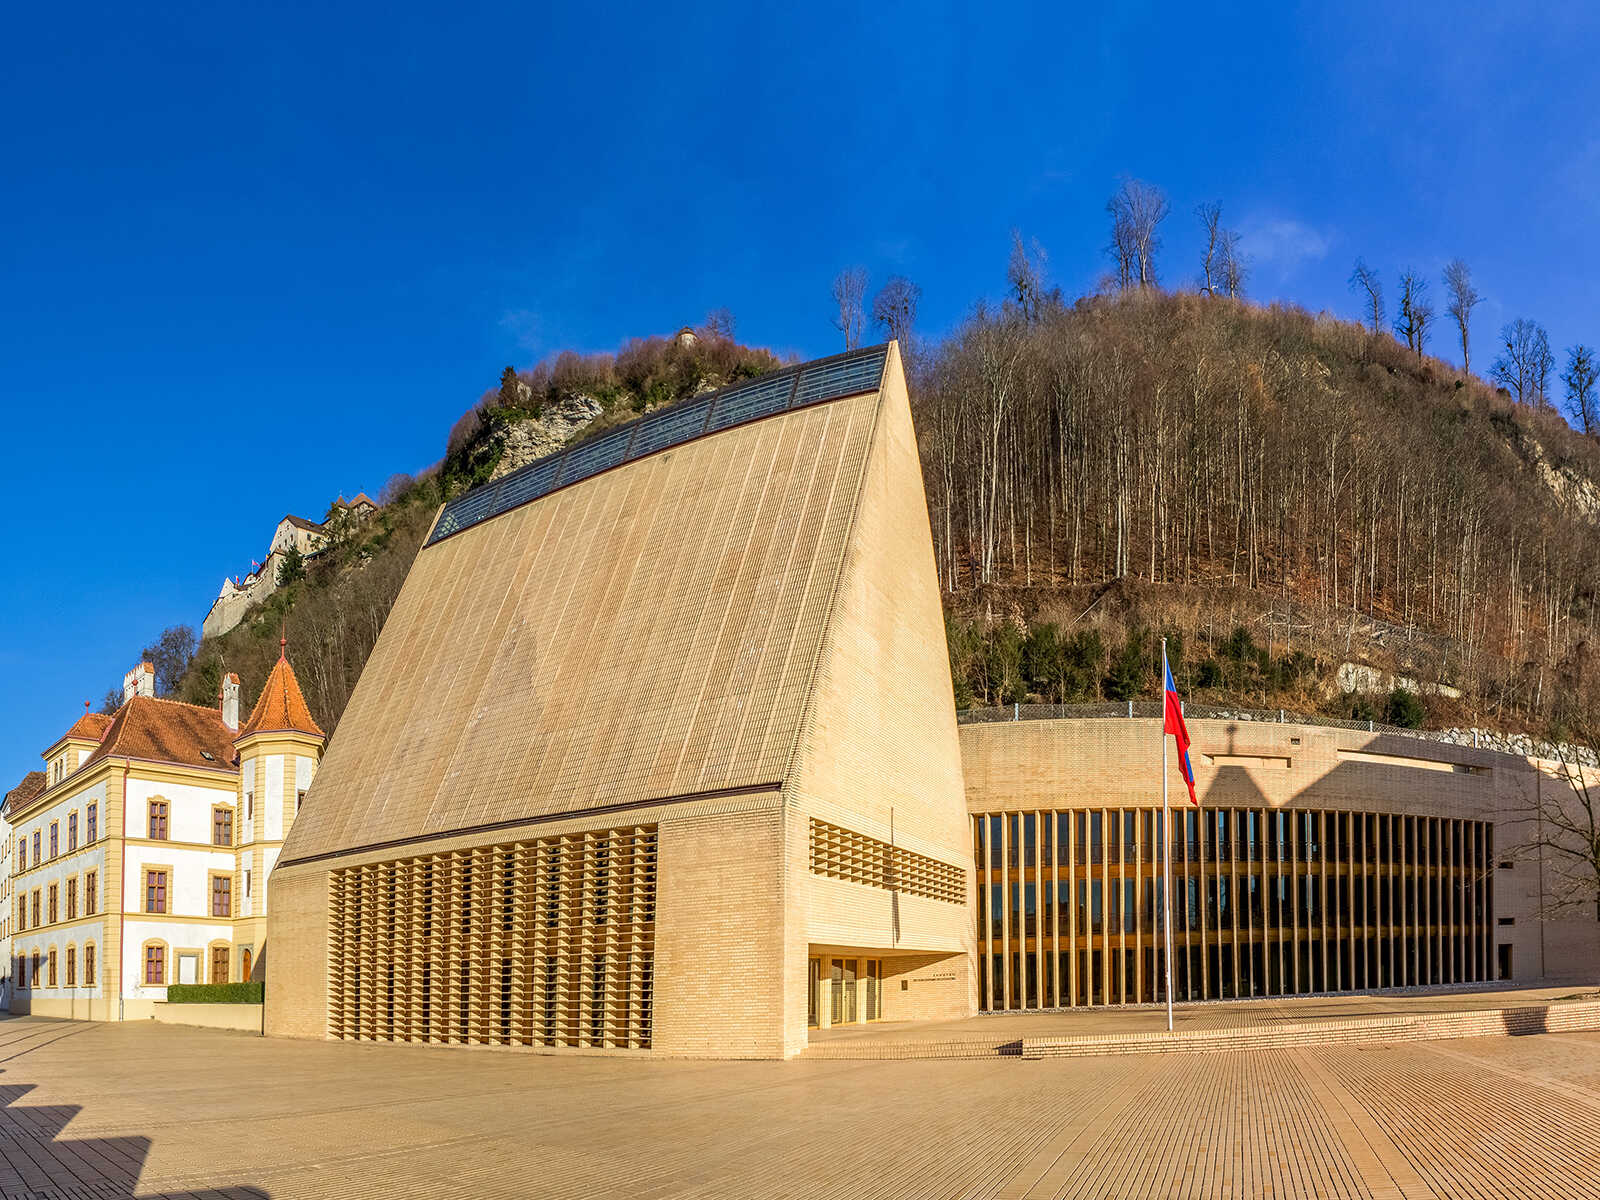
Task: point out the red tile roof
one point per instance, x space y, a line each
167 731
32 784
90 727
281 705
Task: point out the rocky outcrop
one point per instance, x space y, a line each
520 442
1358 678
1575 491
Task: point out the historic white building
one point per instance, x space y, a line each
141 853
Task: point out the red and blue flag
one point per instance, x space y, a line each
1180 732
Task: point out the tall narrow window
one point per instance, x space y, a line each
247 883
219 964
55 838
221 896
249 806
299 799
22 913
22 854
91 892
36 912
37 965
155 964
93 818
52 964
38 857
88 965
72 898
155 891
158 820
72 831
54 908
222 826
72 966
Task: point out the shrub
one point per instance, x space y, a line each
1403 710
215 993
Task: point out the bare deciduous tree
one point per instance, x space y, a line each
1210 215
1365 283
720 324
894 308
1463 299
1525 362
849 297
1222 267
1564 823
170 655
1137 210
1234 268
1580 378
1025 274
1416 314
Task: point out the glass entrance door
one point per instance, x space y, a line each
813 989
844 990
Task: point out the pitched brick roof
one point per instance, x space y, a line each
280 705
32 784
90 727
167 731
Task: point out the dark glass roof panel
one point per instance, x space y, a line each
847 374
770 395
669 427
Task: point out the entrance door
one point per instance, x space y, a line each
844 990
219 964
1504 953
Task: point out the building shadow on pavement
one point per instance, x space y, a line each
38 1162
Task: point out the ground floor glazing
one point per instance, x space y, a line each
1071 904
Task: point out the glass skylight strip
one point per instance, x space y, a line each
827 379
669 427
765 397
843 377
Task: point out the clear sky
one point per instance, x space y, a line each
255 256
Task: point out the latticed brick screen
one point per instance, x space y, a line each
548 942
845 854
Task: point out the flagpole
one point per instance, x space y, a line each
1166 833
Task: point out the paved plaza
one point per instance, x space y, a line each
145 1109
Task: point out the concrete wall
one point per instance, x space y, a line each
245 1017
296 970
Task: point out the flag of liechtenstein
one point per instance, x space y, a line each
1180 733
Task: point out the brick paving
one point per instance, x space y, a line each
148 1110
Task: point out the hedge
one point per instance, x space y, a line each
215 993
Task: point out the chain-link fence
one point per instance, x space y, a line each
1483 739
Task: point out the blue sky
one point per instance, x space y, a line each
255 257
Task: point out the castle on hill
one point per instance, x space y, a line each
293 536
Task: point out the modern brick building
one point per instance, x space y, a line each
626 769
658 750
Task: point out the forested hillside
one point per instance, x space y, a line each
1279 493
1310 511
